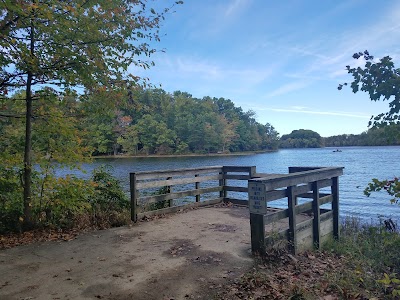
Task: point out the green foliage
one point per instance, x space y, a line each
301 139
11 207
392 187
391 284
381 80
369 253
109 194
162 123
69 44
63 202
382 136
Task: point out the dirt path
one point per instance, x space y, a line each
183 256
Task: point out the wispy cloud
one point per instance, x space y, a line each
325 59
289 87
304 110
234 7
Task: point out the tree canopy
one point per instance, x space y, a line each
64 44
302 138
381 80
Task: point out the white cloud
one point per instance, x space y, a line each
289 87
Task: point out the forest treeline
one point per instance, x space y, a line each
136 122
387 135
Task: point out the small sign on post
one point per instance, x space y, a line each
257 202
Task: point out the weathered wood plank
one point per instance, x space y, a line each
311 195
236 189
178 208
162 183
299 177
274 217
326 227
305 239
265 175
197 186
132 185
316 215
239 169
326 216
275 237
257 231
326 199
237 176
235 201
275 195
177 172
304 207
304 225
335 207
302 169
177 195
292 219
222 182
298 191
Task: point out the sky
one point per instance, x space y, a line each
282 59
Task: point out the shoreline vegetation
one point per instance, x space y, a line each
121 156
185 155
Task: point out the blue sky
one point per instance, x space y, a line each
282 59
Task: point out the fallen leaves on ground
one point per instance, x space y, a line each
16 239
310 275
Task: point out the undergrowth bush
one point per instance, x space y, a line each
64 202
371 252
11 206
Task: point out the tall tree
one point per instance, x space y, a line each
71 43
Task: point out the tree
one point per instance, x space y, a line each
381 80
70 43
302 138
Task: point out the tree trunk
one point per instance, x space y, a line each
28 220
27 223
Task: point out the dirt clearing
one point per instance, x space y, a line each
188 255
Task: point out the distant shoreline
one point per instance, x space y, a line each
185 155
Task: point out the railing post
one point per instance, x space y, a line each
197 186
252 171
169 190
316 215
292 219
132 181
257 230
222 183
335 207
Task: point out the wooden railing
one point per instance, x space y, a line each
198 186
301 182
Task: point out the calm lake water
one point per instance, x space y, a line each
361 164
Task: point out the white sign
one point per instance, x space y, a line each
257 202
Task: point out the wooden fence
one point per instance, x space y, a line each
197 186
301 182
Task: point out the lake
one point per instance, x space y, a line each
361 164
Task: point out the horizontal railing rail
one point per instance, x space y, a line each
156 187
301 182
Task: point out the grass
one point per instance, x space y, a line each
363 265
